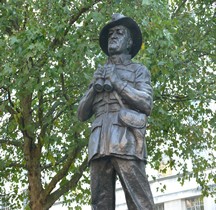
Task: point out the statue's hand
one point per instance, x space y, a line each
111 74
99 73
98 79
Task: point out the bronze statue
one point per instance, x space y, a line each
120 97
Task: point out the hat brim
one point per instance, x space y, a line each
134 30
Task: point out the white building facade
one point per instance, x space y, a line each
174 196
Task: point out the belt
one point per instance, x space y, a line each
106 108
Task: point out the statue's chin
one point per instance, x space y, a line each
112 51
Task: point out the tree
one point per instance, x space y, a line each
49 50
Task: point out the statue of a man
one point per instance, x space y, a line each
120 97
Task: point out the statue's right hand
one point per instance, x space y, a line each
99 73
98 79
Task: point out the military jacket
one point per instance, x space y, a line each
109 136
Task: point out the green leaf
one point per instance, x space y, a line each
48 56
146 2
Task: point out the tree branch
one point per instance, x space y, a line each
43 130
11 142
12 165
174 98
178 9
25 16
59 41
63 87
76 17
73 19
71 184
52 109
11 109
56 163
40 107
49 113
63 172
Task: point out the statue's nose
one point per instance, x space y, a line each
113 36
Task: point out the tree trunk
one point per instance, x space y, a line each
32 154
35 186
34 178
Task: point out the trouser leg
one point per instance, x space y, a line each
102 184
135 184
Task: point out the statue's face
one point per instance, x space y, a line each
119 40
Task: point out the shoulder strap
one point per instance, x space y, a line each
118 99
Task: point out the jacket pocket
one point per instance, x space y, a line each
132 118
96 123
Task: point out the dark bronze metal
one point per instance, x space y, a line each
99 85
120 98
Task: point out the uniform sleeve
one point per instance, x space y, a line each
139 97
85 105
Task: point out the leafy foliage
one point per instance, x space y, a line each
49 50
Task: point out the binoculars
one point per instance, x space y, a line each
101 83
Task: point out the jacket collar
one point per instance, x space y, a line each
120 59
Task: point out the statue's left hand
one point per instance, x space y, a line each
111 74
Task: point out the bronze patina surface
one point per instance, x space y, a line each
120 97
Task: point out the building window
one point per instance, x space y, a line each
195 203
159 206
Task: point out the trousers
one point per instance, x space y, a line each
132 175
